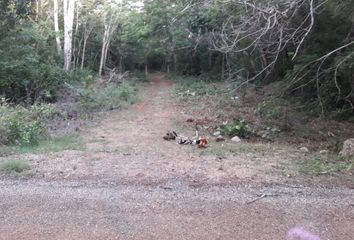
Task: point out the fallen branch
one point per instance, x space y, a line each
262 196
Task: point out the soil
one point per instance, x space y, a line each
129 183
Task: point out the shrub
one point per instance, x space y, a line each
193 86
21 126
239 128
44 111
84 76
14 166
108 97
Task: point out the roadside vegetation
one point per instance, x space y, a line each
267 124
14 167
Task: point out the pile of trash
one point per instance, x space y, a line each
201 142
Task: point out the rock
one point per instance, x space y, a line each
265 136
275 130
220 138
304 149
324 151
216 134
348 148
236 139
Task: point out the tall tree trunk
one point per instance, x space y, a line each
222 66
56 26
69 7
146 69
37 10
106 41
121 64
76 44
104 49
175 62
86 36
209 61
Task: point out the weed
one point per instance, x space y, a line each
19 126
107 98
259 150
53 144
325 164
14 167
240 128
24 126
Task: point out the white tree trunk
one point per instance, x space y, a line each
56 26
107 36
103 50
76 48
69 7
87 33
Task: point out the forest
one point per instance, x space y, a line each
72 56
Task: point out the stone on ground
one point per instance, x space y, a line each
236 139
348 148
220 138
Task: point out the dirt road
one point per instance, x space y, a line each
128 183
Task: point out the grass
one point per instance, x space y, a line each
318 164
231 149
311 164
14 167
106 98
54 144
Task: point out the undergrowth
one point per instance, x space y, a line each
194 86
318 164
109 97
238 128
14 167
45 145
24 126
28 126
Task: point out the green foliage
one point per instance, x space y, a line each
54 144
45 145
19 126
14 167
24 126
325 164
270 110
107 97
29 71
193 86
239 128
44 111
84 76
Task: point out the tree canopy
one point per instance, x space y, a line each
307 45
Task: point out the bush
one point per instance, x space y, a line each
44 111
84 76
192 86
240 128
109 97
22 126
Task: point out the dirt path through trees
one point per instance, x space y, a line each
127 147
128 183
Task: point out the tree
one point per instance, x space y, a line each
69 8
56 25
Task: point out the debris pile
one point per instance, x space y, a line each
201 142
